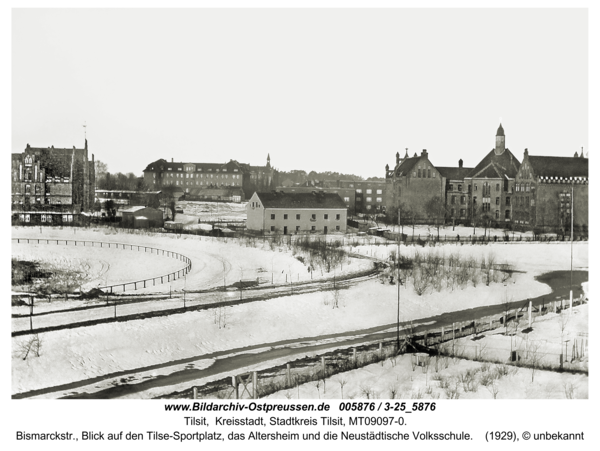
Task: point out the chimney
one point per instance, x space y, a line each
460 163
525 153
424 153
397 158
387 167
171 160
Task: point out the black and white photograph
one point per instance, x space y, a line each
300 204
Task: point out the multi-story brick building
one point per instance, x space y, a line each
200 179
456 198
412 185
490 185
548 189
277 212
46 180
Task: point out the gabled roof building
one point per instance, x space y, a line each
550 191
276 212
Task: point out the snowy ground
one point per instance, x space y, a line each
397 378
211 211
78 354
215 261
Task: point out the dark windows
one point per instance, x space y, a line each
273 216
272 228
337 217
497 201
298 217
326 216
285 216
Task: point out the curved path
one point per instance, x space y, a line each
559 282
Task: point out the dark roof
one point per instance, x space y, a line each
559 166
406 166
200 167
454 173
500 131
497 166
316 199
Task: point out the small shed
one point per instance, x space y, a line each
152 217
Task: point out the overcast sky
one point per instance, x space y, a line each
334 89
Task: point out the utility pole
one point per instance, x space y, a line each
571 286
398 284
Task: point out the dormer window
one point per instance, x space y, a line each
235 170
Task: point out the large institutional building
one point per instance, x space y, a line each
51 184
230 181
499 191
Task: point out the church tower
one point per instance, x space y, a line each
268 161
500 143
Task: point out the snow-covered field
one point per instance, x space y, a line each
79 354
398 378
211 211
215 261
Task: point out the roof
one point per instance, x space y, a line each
316 199
500 131
496 166
164 165
406 166
133 209
559 166
454 173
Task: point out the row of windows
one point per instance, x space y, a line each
524 187
191 169
234 176
369 191
201 183
424 173
313 217
312 228
451 187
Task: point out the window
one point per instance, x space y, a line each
507 214
369 191
346 199
325 216
453 200
313 217
298 217
497 186
507 201
452 212
379 199
379 191
474 199
497 214
359 191
419 173
475 187
428 173
368 207
27 189
532 202
450 187
337 228
272 216
497 201
313 228
285 216
337 217
369 199
297 228
527 187
460 187
462 213
462 200
272 228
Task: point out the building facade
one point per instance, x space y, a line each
548 190
412 186
198 179
277 212
53 180
491 186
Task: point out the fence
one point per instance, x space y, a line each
438 343
169 277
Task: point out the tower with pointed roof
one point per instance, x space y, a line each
500 141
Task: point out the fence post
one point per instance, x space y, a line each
236 389
254 385
195 391
289 375
529 314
